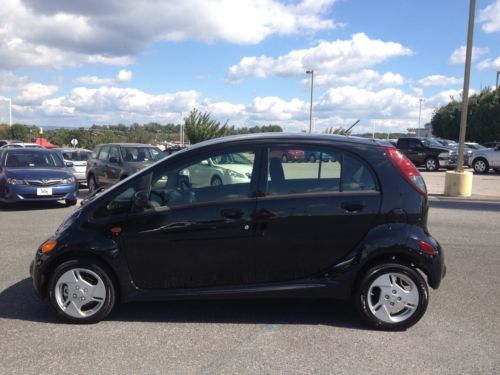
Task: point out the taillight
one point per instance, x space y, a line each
407 169
427 248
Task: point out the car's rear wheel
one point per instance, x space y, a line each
91 183
480 166
81 291
431 164
392 296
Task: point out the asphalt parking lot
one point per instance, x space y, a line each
459 334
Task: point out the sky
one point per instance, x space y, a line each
385 63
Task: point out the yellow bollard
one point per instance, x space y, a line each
458 184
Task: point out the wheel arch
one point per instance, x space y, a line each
78 255
399 256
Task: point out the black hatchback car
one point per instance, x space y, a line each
353 227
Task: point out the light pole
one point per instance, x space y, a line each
420 111
311 72
498 73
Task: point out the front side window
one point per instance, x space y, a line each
103 154
113 153
215 177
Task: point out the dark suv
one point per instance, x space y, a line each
354 227
110 163
426 152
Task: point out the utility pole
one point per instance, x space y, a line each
465 93
311 72
498 73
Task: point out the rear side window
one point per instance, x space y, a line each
319 170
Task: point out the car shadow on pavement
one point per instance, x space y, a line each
19 302
32 206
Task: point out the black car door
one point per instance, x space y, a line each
313 213
193 237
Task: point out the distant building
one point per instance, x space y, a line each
425 132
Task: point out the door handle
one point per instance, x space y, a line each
352 206
232 213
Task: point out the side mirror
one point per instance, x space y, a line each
141 199
205 163
69 164
113 159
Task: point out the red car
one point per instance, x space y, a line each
288 155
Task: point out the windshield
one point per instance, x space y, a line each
140 154
76 155
32 159
431 143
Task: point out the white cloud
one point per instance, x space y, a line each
438 80
458 56
336 57
490 17
70 33
365 78
34 92
122 77
493 64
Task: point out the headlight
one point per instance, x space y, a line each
231 173
13 181
68 180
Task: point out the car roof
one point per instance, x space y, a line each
123 144
286 137
71 149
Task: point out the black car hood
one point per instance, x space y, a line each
31 173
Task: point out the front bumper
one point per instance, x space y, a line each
29 193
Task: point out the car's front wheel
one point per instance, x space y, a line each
480 166
81 291
392 296
431 164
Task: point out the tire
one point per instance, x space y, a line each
76 281
216 181
392 297
91 183
497 170
284 159
480 166
69 202
431 164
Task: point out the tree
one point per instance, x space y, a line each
200 127
338 131
483 118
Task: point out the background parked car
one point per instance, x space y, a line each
482 160
220 170
289 155
21 145
425 152
32 174
79 157
110 163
